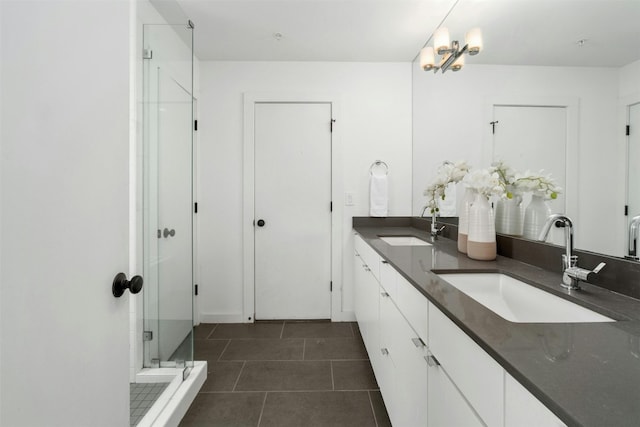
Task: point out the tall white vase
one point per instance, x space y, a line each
535 215
481 243
463 218
509 216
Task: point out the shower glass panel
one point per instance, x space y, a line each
168 200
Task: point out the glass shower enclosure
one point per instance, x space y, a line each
167 181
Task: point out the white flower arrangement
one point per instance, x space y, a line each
485 181
507 177
540 184
447 173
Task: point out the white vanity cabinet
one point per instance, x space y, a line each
460 385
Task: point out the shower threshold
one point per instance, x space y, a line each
173 403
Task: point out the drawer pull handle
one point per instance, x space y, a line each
432 361
418 342
384 294
384 351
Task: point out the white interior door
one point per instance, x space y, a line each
65 213
292 197
534 138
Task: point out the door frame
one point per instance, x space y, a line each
248 192
571 104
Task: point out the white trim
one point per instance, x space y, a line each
250 99
572 105
624 104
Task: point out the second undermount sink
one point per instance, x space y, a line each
517 301
404 241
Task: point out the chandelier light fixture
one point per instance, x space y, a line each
452 55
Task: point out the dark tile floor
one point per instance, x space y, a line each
282 374
141 397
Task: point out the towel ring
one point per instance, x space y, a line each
378 163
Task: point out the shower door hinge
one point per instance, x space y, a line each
147 336
147 54
195 289
628 130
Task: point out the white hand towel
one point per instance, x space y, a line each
378 197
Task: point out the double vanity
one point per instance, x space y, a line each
458 342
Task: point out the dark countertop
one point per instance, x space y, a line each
588 374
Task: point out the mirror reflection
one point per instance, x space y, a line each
561 82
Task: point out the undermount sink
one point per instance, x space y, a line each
404 241
517 301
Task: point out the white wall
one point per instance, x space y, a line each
450 121
375 123
630 80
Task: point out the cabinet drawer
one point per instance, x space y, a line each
522 409
388 278
414 306
368 255
478 377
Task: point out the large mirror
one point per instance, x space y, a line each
572 65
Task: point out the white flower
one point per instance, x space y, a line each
447 173
539 183
485 181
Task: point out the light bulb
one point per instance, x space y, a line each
473 39
458 64
427 58
441 42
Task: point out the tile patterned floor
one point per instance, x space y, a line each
141 397
282 374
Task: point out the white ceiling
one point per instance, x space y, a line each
526 32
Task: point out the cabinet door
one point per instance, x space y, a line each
522 409
478 377
386 374
411 375
413 305
447 407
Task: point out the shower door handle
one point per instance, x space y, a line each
166 232
121 284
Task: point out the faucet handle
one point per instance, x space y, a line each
599 267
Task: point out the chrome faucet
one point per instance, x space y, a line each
435 231
634 231
572 274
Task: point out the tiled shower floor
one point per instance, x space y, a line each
141 397
285 374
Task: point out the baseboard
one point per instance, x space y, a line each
221 318
344 316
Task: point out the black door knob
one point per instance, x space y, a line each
120 284
260 223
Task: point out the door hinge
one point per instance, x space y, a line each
331 286
493 126
147 54
330 206
195 207
626 210
195 125
159 233
195 289
147 336
628 130
331 124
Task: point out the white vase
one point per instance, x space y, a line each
463 218
535 215
509 216
481 242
